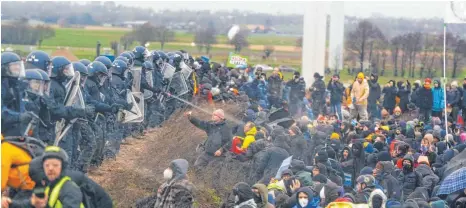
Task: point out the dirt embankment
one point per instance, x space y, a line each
138 169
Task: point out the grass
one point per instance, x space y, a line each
73 37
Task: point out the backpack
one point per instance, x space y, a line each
305 178
31 145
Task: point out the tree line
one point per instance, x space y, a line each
408 52
22 33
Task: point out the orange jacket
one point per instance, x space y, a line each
15 177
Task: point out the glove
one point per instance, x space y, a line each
25 117
128 106
116 107
90 110
79 112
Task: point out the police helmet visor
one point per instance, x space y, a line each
36 86
102 77
16 69
146 54
68 71
83 78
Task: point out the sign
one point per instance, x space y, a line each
235 60
285 165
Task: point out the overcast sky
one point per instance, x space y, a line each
408 9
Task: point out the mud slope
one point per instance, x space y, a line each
138 169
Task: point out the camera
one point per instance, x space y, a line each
39 192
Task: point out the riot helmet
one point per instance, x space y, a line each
119 67
36 82
140 53
79 67
62 68
39 60
98 71
12 65
85 62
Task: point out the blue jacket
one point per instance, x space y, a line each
439 98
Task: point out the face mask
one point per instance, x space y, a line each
236 199
407 167
167 174
423 149
303 202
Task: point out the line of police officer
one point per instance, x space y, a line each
36 92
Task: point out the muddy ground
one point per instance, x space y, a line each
138 169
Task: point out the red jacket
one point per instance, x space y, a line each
236 146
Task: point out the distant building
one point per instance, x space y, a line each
132 24
260 29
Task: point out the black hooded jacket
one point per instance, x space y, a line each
389 96
409 179
374 90
273 159
403 93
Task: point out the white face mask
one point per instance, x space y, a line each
236 199
167 174
303 202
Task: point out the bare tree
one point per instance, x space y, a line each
127 40
358 39
414 46
240 41
205 38
114 46
395 50
44 32
459 53
145 33
163 35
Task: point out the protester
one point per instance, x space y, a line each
218 137
359 94
336 89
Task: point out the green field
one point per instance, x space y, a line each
73 37
82 43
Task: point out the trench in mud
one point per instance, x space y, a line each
137 170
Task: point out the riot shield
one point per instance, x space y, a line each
168 71
177 85
150 81
136 114
73 97
136 74
185 70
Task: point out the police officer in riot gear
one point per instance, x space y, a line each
62 71
98 74
82 129
85 62
114 130
14 117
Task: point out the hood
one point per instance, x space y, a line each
441 147
250 115
349 151
387 167
263 191
399 84
410 203
449 154
36 170
377 197
411 159
180 168
424 170
307 191
277 130
358 145
371 160
243 191
366 171
439 84
376 78
383 156
419 194
297 165
251 132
